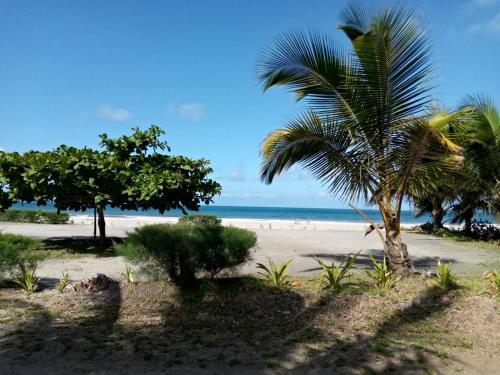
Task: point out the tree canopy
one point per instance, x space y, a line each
129 172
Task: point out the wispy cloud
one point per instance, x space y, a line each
482 3
237 174
192 111
114 114
491 26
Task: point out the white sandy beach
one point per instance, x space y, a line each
277 239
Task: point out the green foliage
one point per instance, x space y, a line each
129 173
276 275
230 248
381 274
184 249
64 281
129 274
34 216
446 278
200 219
14 250
332 277
27 278
364 133
494 277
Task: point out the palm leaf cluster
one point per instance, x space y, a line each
365 133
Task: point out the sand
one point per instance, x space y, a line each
277 239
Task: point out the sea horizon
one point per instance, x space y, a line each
260 212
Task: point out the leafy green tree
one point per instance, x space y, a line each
365 133
130 172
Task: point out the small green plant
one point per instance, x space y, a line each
276 275
381 274
64 281
129 274
446 278
494 277
27 279
333 276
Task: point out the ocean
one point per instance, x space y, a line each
277 213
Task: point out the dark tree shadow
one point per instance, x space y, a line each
230 325
83 245
364 262
41 343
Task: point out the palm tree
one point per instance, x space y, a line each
480 184
364 133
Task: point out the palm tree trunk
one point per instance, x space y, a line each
437 218
468 224
396 251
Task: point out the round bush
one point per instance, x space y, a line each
183 249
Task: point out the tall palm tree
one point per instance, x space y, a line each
364 133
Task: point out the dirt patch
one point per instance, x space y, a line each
241 325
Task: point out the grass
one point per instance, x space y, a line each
246 324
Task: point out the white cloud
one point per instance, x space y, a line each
192 111
491 26
114 114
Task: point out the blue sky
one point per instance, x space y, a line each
71 70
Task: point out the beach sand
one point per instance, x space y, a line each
278 239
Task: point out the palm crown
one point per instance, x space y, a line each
366 133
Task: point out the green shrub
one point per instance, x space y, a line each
276 275
15 250
200 219
34 216
64 281
332 277
129 274
494 277
381 274
228 247
27 278
446 278
184 249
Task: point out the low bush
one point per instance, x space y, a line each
332 277
494 277
446 278
188 247
381 274
276 275
27 278
64 281
485 231
34 216
15 250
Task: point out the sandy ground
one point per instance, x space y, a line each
277 239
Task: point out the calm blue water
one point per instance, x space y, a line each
288 213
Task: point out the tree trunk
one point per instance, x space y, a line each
101 224
95 224
468 224
437 218
396 251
